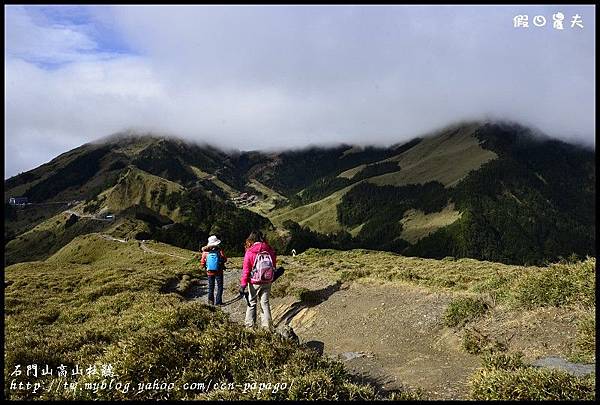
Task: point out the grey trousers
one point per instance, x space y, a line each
260 293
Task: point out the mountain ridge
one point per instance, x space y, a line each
348 196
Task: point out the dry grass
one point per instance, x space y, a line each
506 377
446 158
105 302
585 345
416 224
47 237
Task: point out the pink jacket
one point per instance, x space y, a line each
249 257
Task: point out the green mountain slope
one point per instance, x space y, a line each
493 191
518 198
139 309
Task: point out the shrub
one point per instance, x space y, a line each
558 285
475 342
531 383
351 275
472 343
586 333
503 361
586 340
506 377
463 310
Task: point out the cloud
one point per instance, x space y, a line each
275 77
31 37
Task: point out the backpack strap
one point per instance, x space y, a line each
254 265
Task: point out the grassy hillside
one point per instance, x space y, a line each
320 216
416 224
136 187
291 171
446 156
91 168
224 187
109 303
48 237
20 184
517 197
463 315
536 202
18 220
136 195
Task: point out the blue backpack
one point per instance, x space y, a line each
212 260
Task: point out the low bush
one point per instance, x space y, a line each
557 285
351 275
463 310
585 344
503 361
475 342
506 377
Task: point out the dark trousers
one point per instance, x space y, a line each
211 289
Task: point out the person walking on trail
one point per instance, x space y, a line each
258 273
213 260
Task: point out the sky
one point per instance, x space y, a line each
275 77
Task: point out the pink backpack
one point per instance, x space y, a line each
262 271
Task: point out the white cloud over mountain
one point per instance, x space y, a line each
275 77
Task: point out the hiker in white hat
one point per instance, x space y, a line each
213 260
213 241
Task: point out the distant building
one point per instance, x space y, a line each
17 200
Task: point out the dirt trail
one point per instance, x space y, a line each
391 334
108 237
388 335
87 216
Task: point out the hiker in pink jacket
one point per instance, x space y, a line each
258 270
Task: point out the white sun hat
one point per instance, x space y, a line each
213 241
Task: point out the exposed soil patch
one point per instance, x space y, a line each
537 333
399 330
388 335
